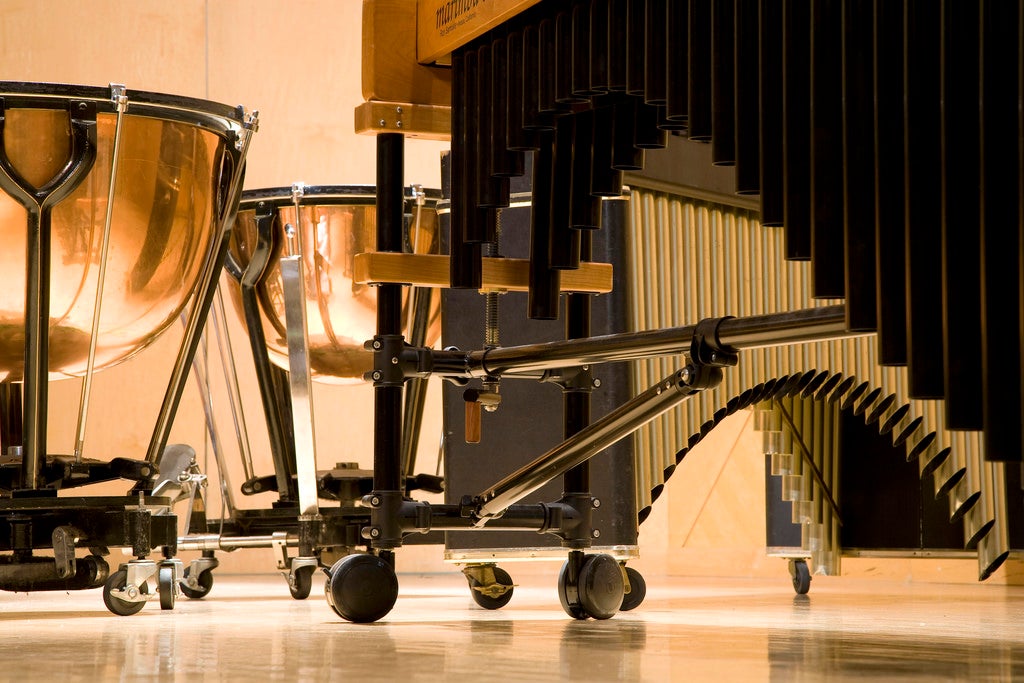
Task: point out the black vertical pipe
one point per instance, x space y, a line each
771 106
576 401
698 96
514 133
890 245
859 167
626 156
649 132
618 44
796 130
723 84
827 247
507 163
600 50
533 119
564 59
586 209
387 442
636 43
605 180
465 267
1001 230
961 208
923 210
547 66
542 298
564 240
748 111
656 54
473 227
482 110
581 50
677 66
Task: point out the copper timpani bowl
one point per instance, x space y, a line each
334 224
169 192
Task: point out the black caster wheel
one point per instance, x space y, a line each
491 596
637 590
205 581
165 587
122 608
361 588
303 583
801 576
598 592
99 571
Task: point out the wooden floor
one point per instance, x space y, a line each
249 628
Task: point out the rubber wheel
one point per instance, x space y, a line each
99 571
361 588
601 588
502 578
205 580
801 576
568 596
303 583
122 608
165 587
599 591
637 590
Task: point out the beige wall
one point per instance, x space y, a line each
298 63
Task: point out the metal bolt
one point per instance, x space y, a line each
377 344
597 382
398 124
714 356
686 374
398 109
383 123
596 502
375 501
394 360
374 532
597 533
377 375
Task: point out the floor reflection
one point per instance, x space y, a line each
694 630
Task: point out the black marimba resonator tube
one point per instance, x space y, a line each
884 137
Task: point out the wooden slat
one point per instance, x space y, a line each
431 270
431 122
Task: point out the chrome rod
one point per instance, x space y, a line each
219 542
805 325
120 100
202 376
227 360
586 443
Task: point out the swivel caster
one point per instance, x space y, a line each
490 586
637 590
302 583
202 587
197 579
801 576
361 588
591 586
134 597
